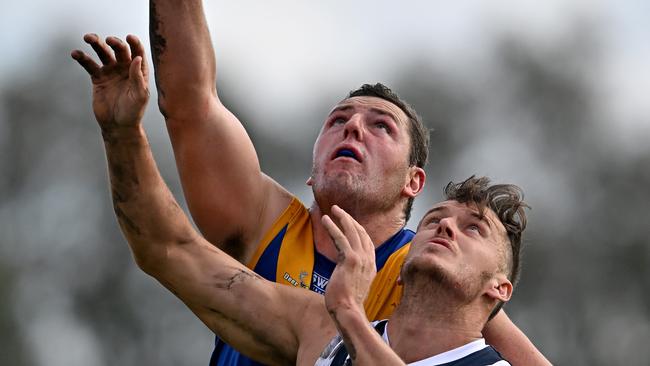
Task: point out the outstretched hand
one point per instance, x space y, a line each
120 83
355 265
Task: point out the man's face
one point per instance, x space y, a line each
459 247
362 153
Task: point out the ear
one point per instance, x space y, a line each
500 289
415 182
310 181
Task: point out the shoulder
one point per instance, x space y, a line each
295 219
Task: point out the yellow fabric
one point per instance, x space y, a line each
296 257
385 293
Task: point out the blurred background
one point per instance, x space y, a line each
550 95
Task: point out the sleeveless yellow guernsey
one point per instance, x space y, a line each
286 255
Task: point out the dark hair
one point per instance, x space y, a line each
418 132
506 200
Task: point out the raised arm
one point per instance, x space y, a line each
512 343
348 288
224 294
231 200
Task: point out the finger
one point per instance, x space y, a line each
137 49
347 223
137 78
339 239
366 247
103 51
366 242
122 53
86 62
356 234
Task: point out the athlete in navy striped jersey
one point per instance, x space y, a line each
461 267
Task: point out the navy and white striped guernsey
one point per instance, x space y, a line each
475 353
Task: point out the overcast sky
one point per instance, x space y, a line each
289 45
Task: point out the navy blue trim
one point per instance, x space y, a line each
390 246
267 264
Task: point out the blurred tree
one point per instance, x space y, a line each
14 350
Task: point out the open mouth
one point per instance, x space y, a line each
347 153
442 242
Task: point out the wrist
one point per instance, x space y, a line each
122 133
349 313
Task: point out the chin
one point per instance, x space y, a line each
435 275
342 183
428 269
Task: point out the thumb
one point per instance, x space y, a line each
137 77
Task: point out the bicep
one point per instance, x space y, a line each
230 199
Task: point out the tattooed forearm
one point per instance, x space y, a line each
122 194
349 345
124 185
126 222
123 174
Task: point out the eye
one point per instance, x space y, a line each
474 228
337 121
383 125
431 221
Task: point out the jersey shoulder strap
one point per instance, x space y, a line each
286 253
342 359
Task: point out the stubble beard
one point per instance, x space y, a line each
436 280
357 194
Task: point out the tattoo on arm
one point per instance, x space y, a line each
158 43
124 181
125 221
260 337
241 276
349 345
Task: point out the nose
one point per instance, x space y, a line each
354 128
446 228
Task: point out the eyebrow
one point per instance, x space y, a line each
435 209
480 217
347 107
483 218
341 108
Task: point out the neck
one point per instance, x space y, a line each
379 226
433 320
